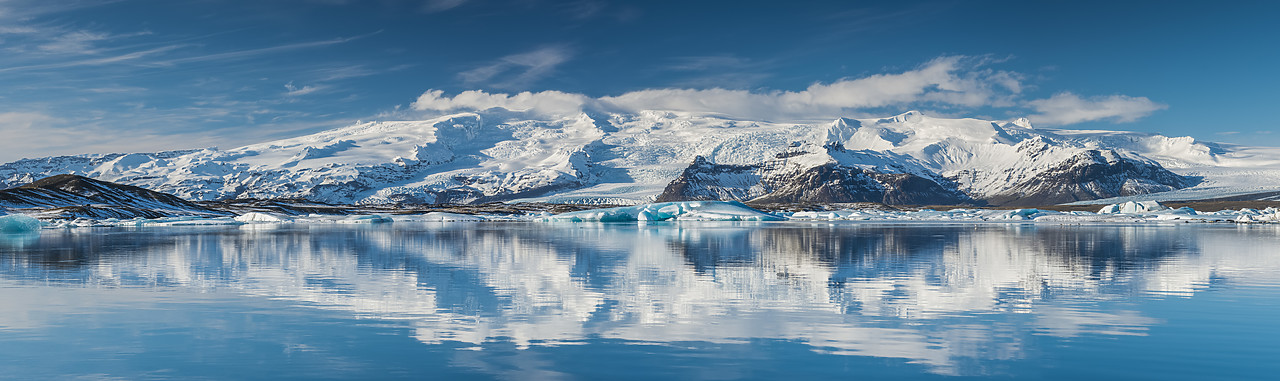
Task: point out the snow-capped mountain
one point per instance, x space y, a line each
499 155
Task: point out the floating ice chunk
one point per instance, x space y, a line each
192 221
1025 214
258 217
827 215
666 211
18 223
366 219
1133 207
445 216
1183 211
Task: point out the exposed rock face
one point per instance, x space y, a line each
827 183
1091 175
833 183
703 181
74 196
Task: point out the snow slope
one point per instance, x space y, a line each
596 157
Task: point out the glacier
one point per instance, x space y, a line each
597 157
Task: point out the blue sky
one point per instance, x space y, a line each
147 75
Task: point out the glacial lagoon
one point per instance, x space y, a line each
673 300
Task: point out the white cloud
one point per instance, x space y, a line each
551 102
518 71
946 81
946 84
1067 108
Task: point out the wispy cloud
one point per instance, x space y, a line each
1067 108
725 71
703 63
518 71
248 53
132 56
433 6
82 42
294 91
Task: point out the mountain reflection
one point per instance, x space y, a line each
934 295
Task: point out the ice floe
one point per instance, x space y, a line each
669 211
366 219
1131 207
446 217
259 217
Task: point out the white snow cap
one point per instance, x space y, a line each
1022 122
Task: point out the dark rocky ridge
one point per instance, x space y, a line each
829 183
72 196
704 181
1090 175
833 183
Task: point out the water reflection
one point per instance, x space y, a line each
940 296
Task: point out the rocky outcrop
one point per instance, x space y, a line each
72 196
704 181
1091 175
833 183
829 183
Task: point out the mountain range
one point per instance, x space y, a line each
630 158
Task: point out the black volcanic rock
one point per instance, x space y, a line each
78 196
1091 175
830 183
704 181
833 183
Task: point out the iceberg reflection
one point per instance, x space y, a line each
933 295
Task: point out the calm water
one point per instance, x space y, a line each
530 301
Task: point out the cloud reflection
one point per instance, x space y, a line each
932 295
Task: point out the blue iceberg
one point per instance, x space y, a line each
17 223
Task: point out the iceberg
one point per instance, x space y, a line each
1025 214
447 217
18 223
669 211
366 219
1133 207
258 217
